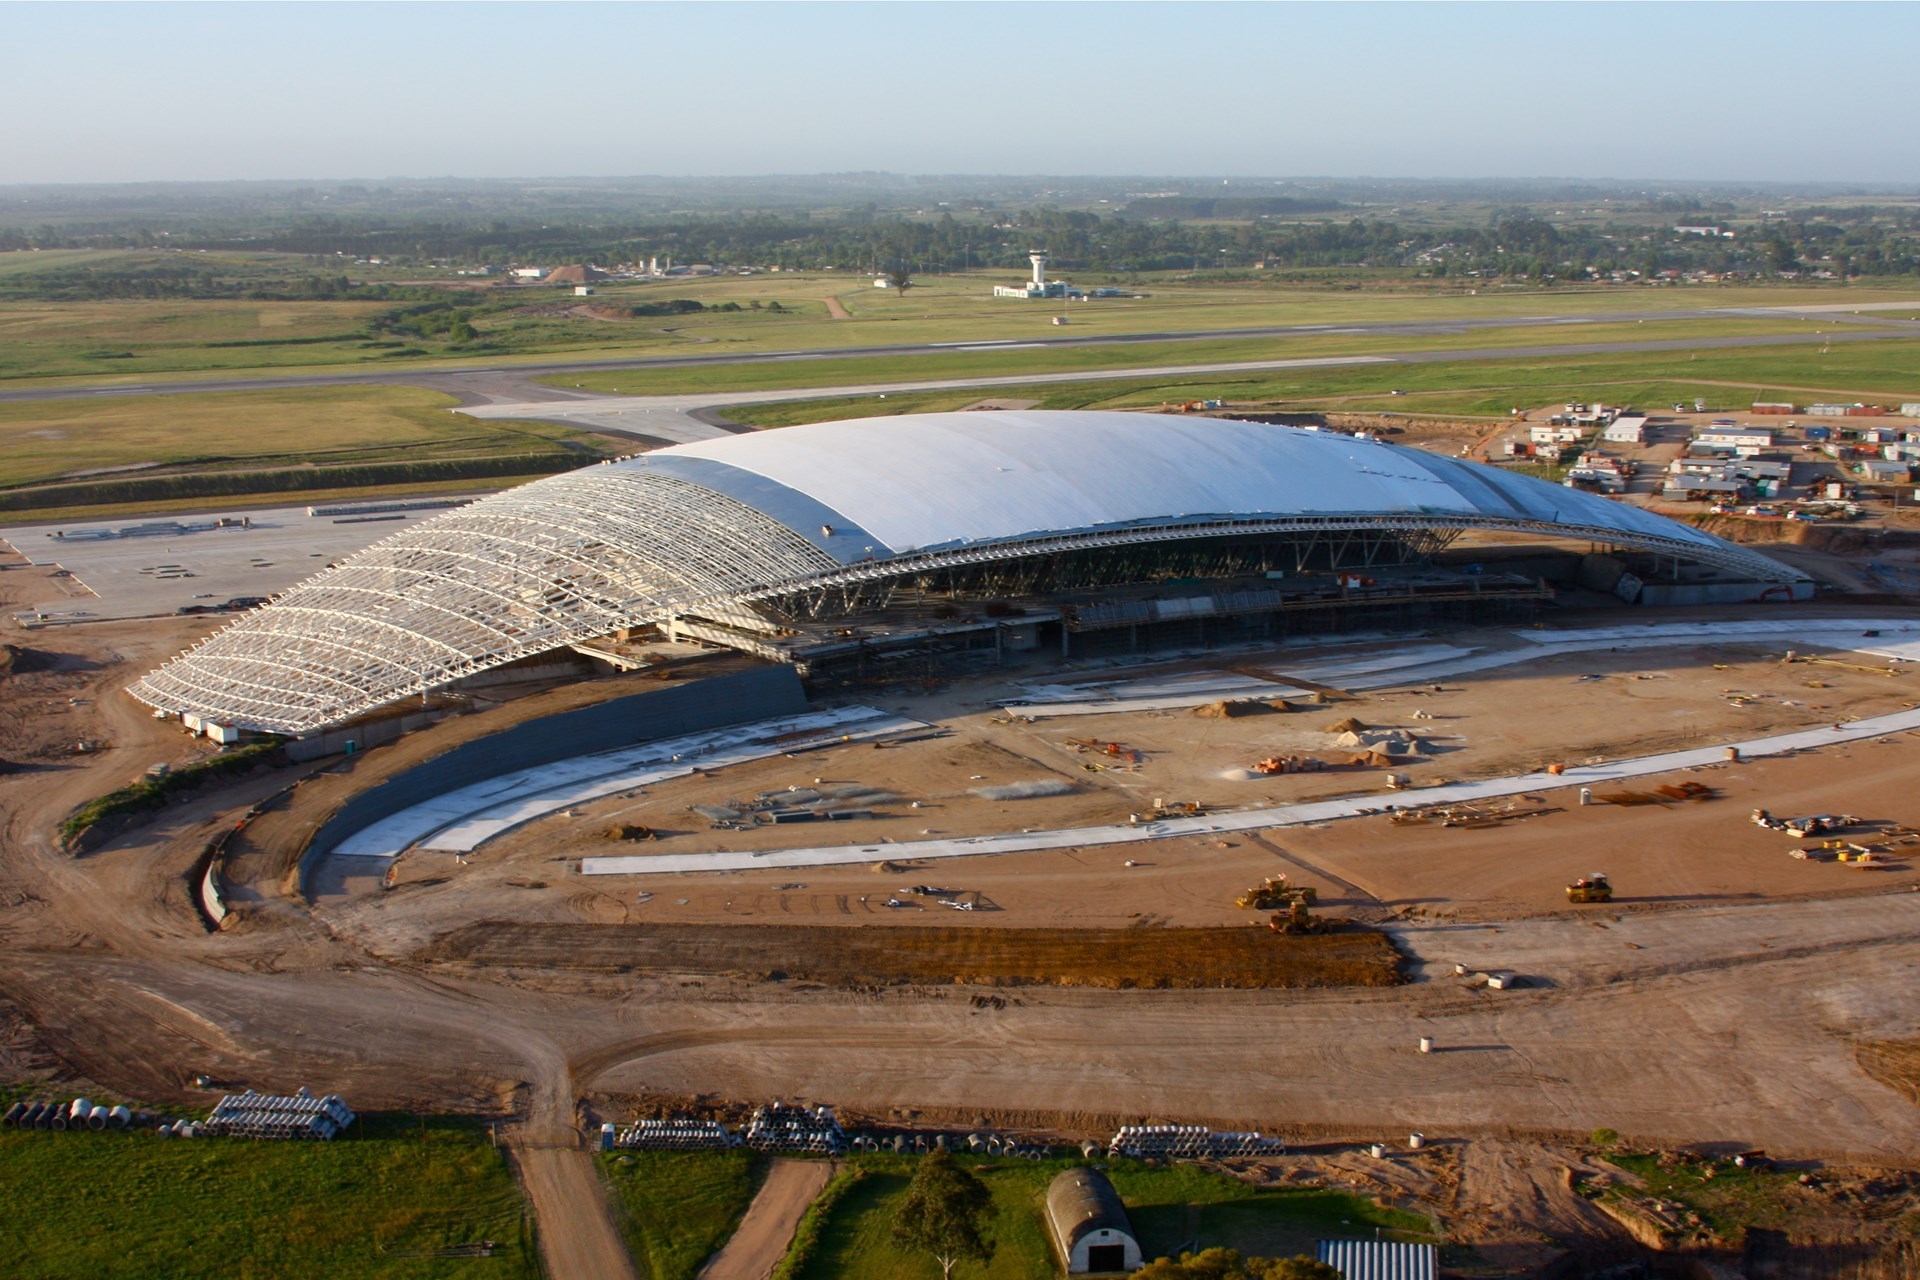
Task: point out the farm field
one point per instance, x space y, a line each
389 1200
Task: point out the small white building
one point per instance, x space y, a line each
1547 433
1735 438
1089 1224
1880 471
529 273
583 291
1631 430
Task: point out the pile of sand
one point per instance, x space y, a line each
1233 709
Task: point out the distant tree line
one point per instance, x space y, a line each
1511 243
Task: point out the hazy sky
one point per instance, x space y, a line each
112 92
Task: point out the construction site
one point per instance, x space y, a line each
1501 861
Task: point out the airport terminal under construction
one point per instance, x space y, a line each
844 544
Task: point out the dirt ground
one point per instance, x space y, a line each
1606 705
1723 999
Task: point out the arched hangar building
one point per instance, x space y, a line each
844 541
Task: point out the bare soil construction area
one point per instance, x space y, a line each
1112 959
1730 996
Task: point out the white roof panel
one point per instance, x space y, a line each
943 479
939 480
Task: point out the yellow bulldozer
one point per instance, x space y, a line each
1298 918
1274 893
1592 887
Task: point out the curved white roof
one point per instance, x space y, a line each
936 480
700 526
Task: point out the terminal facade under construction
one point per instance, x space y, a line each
842 545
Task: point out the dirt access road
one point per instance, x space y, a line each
764 1234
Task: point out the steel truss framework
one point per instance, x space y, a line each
562 560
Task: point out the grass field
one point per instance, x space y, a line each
383 1203
1171 1208
295 445
50 439
1112 958
1007 362
678 1207
1729 1199
1731 379
121 340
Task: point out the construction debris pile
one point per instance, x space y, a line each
812 1130
680 1133
259 1115
1188 1142
1667 794
795 804
1470 815
1235 708
1114 755
1817 824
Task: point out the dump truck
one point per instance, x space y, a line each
1592 887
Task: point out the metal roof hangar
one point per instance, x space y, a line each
742 539
1090 1225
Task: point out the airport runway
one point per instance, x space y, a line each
678 419
481 384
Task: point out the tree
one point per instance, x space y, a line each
900 276
942 1212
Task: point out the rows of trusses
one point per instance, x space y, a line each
566 559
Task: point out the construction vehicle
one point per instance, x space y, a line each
1112 750
1276 892
1275 765
1592 887
1793 657
1298 918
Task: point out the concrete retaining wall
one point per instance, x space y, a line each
759 694
371 734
